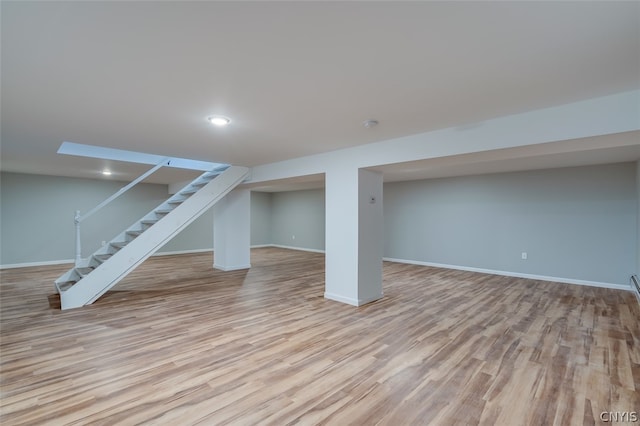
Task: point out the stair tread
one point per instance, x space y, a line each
75 275
83 272
65 285
100 259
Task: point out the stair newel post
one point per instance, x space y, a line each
76 220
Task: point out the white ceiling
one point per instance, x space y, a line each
296 78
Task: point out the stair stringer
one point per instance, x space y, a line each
125 260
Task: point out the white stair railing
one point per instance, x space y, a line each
78 219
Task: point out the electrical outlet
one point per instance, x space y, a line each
293 237
524 255
104 243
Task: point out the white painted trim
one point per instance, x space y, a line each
44 263
65 261
351 301
342 299
231 268
513 274
296 248
370 299
359 302
164 253
193 251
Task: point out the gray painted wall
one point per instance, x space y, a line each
260 218
300 214
197 236
36 217
574 223
577 223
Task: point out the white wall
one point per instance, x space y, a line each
573 223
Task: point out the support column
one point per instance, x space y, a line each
354 236
232 231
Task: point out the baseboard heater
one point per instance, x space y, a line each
635 284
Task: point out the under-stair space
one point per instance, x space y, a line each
93 276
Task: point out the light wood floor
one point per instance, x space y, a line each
178 343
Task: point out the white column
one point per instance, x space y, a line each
354 236
232 231
371 236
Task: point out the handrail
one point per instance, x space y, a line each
77 219
124 189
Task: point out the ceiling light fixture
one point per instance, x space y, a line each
106 172
370 123
218 120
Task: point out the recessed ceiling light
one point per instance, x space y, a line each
370 123
106 172
218 120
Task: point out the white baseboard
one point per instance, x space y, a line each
172 253
45 263
351 301
336 297
295 248
370 299
357 302
513 274
72 261
164 253
231 268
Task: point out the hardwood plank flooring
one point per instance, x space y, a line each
177 342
